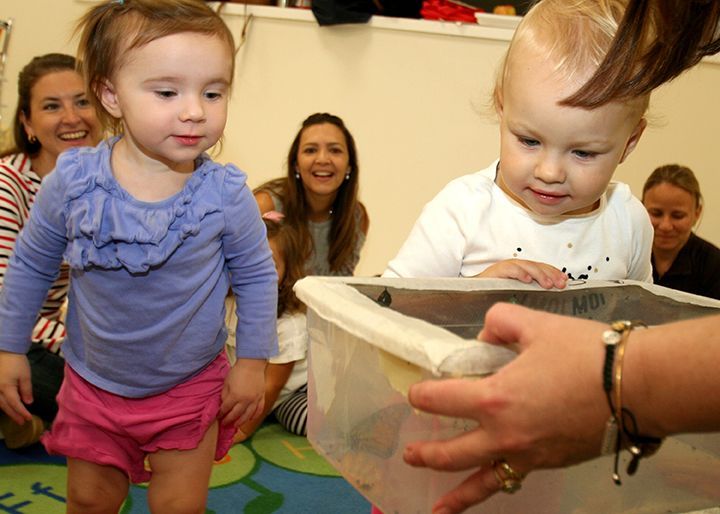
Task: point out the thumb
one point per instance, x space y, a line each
506 323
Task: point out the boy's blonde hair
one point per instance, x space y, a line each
110 29
573 35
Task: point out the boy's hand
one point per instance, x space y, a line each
526 271
15 386
243 395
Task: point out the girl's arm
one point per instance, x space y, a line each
33 266
251 268
48 332
253 280
547 407
276 376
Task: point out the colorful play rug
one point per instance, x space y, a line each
273 472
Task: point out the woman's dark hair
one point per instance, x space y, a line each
656 41
28 77
676 175
291 191
290 247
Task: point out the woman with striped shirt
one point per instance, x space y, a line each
53 114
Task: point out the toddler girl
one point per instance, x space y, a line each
154 233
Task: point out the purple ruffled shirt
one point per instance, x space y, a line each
148 280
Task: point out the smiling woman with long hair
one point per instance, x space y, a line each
319 196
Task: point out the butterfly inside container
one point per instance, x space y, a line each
379 433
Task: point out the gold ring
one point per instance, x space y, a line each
510 480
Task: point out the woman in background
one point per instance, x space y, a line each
319 196
53 114
681 260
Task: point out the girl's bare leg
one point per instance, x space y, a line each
180 479
94 488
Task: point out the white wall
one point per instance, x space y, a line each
416 103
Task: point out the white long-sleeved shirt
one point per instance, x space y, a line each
472 224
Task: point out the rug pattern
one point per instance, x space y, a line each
273 472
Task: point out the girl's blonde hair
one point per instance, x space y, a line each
109 30
573 35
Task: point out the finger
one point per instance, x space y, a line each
546 276
476 488
233 416
516 270
14 408
462 452
558 278
226 406
257 412
25 388
448 397
243 417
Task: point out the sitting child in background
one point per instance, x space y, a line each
546 210
286 374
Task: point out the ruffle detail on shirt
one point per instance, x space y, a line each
107 229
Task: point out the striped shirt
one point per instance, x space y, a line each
18 186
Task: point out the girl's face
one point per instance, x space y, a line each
172 96
673 213
278 258
555 159
322 159
60 115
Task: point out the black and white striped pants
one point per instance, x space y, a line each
292 413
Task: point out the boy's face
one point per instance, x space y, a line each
556 159
172 96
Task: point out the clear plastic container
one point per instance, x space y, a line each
364 355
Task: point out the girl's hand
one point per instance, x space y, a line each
544 409
243 396
15 386
545 275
